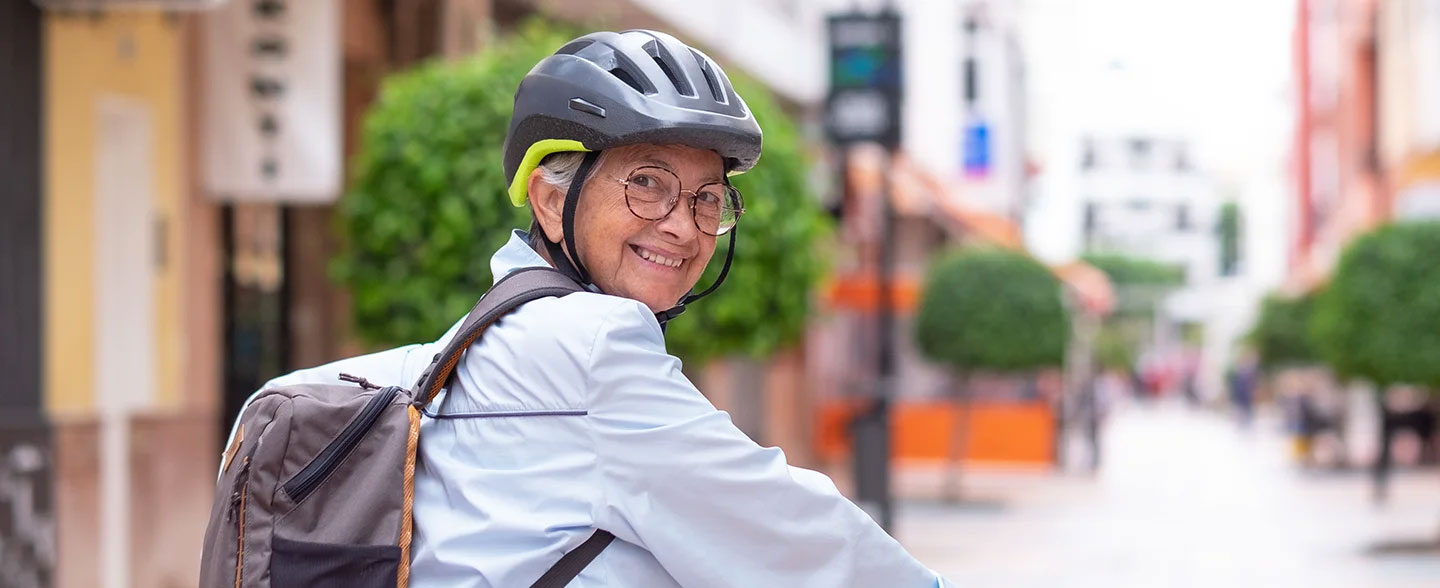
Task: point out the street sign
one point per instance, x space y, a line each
271 127
865 79
977 149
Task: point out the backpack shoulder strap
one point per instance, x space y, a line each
509 293
506 295
570 565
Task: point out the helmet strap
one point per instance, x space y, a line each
664 316
568 259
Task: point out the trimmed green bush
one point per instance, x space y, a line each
992 309
1281 336
427 208
1379 319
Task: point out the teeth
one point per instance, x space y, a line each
657 258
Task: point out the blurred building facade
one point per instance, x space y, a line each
966 116
1143 197
128 362
1408 103
1337 176
1367 134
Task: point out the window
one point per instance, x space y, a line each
1139 152
1182 161
1092 219
1182 218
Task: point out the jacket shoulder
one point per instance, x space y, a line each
558 331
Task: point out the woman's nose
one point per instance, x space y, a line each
681 221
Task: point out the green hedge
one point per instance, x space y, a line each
1379 319
992 309
427 208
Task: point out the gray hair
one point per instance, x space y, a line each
559 169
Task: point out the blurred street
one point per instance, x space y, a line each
1185 499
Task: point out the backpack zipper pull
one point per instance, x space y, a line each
236 494
364 383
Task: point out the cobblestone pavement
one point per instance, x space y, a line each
1185 498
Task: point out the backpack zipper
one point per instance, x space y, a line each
305 482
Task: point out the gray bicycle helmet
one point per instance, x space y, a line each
608 89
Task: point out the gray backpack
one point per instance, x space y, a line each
317 485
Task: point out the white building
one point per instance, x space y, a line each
1142 197
965 99
1409 134
1115 69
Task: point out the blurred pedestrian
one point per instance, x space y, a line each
568 421
1242 378
1102 393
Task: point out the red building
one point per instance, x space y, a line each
1338 178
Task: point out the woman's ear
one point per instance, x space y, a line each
548 204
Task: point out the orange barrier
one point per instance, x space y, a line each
861 292
997 431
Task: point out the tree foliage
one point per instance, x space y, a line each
1229 232
426 209
1281 335
992 309
1124 270
1379 319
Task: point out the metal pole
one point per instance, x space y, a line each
872 427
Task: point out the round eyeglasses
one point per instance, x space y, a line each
652 193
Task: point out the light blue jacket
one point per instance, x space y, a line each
581 420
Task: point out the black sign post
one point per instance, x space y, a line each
864 107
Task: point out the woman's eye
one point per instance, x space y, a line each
643 181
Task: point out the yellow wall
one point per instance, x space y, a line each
138 57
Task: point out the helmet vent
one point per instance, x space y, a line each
716 90
664 60
629 80
575 46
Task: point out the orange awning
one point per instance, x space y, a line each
1090 286
916 191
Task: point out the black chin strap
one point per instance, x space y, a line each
570 264
664 316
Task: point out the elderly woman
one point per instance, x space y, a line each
580 429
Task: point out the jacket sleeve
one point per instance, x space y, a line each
680 480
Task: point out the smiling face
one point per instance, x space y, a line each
655 262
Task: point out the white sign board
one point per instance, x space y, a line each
272 104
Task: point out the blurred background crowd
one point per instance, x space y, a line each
1064 292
